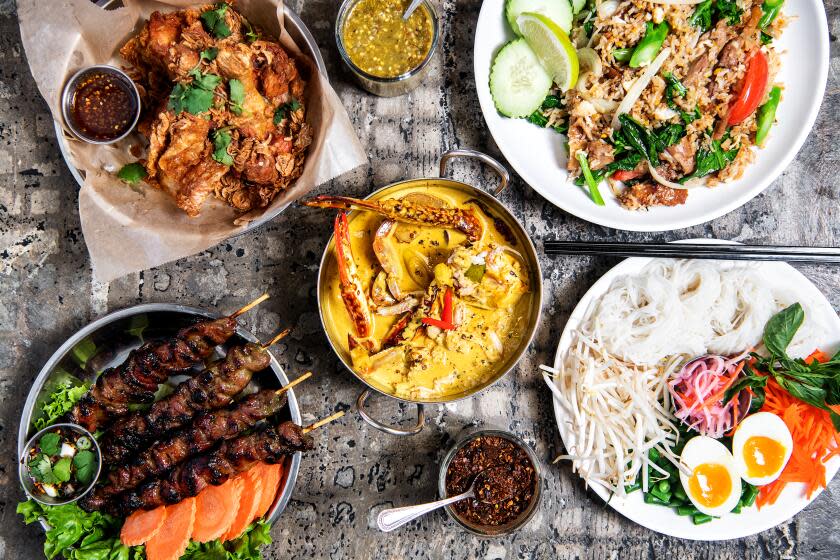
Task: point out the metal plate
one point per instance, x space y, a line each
115 335
303 39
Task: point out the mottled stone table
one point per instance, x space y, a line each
46 292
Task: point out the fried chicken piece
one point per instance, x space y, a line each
257 118
186 169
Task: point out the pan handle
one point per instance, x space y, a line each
504 176
421 418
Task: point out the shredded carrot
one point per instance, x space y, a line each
814 440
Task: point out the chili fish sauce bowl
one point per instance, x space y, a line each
100 104
59 464
503 452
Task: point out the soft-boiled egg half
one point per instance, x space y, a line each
762 445
714 486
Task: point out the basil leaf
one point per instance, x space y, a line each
475 272
835 419
814 396
132 173
85 463
781 328
50 444
214 21
749 381
757 399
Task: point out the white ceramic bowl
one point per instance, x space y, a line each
539 157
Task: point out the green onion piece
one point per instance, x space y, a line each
700 518
590 180
650 45
686 510
622 55
767 115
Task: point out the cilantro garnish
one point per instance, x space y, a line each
237 96
194 97
214 21
283 110
221 141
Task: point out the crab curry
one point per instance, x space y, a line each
426 293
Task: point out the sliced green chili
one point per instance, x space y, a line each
767 115
650 45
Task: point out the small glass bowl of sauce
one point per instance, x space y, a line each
515 470
388 55
60 464
100 104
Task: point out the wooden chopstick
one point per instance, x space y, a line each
824 255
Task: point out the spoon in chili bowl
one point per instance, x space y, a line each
488 487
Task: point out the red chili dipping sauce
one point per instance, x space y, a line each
512 477
103 106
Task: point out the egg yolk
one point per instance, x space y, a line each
763 456
710 484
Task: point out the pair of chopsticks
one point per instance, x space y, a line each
822 255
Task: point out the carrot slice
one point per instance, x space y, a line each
271 475
248 503
215 510
174 536
142 525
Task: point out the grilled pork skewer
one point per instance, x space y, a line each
231 457
206 430
211 389
136 380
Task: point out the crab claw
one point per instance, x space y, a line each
401 210
352 291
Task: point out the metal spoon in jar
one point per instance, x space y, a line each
493 493
410 10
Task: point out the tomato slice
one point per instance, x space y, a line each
626 175
755 84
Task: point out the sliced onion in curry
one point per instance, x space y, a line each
417 265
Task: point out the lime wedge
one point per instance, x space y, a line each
552 46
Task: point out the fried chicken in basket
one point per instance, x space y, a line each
223 108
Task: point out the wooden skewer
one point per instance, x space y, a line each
249 306
323 421
300 379
282 334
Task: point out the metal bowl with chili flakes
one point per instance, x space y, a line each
478 451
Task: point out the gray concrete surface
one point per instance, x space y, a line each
46 292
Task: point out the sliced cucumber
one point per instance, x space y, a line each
577 5
558 11
518 82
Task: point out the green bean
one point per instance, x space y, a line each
770 10
664 496
632 487
737 508
680 493
622 55
750 495
664 486
653 454
686 510
651 499
699 518
650 45
767 115
590 180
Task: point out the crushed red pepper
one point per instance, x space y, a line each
103 106
512 471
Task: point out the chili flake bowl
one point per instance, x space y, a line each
71 88
516 523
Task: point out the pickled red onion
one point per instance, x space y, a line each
697 392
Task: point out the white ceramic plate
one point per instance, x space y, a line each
750 520
539 157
